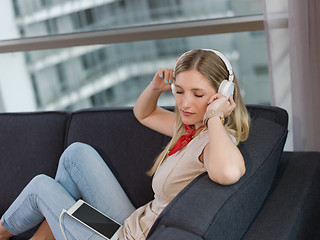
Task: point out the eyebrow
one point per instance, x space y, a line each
193 89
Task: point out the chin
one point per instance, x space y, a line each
185 121
188 121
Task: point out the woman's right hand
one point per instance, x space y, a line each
162 80
146 110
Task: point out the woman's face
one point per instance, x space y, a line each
192 91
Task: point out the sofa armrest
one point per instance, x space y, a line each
207 209
171 233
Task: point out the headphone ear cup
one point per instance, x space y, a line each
173 88
226 88
222 86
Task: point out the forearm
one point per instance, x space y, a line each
223 160
146 103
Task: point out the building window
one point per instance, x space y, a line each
51 26
61 73
35 89
16 8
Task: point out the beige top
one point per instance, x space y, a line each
175 173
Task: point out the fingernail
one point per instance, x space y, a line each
161 75
170 81
166 80
208 102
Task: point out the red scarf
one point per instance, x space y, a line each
183 140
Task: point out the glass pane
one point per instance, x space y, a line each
115 74
30 18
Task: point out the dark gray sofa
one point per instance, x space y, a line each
276 199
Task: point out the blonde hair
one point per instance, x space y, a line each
214 69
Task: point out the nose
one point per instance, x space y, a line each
186 102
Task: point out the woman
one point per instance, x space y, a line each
205 129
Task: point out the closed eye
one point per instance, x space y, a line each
179 92
199 96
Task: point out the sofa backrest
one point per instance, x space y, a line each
212 211
30 143
271 113
127 147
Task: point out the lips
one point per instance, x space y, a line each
186 114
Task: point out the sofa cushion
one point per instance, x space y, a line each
291 210
128 148
31 143
212 211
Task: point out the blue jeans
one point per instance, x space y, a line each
81 173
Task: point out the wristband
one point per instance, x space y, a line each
212 113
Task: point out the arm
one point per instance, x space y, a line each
222 158
146 110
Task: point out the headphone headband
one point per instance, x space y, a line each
226 62
222 57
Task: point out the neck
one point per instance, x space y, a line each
197 126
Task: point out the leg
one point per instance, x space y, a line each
43 233
85 175
43 198
4 234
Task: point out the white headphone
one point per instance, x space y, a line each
227 86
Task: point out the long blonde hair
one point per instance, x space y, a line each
214 69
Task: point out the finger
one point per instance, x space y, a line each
232 106
216 96
171 76
160 72
166 75
220 95
212 98
232 102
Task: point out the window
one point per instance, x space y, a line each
114 74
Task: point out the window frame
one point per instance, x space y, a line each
137 33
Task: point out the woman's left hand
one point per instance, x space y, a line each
219 103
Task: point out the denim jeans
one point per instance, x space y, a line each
81 173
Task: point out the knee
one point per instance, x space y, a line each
38 183
40 179
77 148
75 153
41 191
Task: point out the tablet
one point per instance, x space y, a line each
95 220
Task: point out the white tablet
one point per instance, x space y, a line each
95 220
